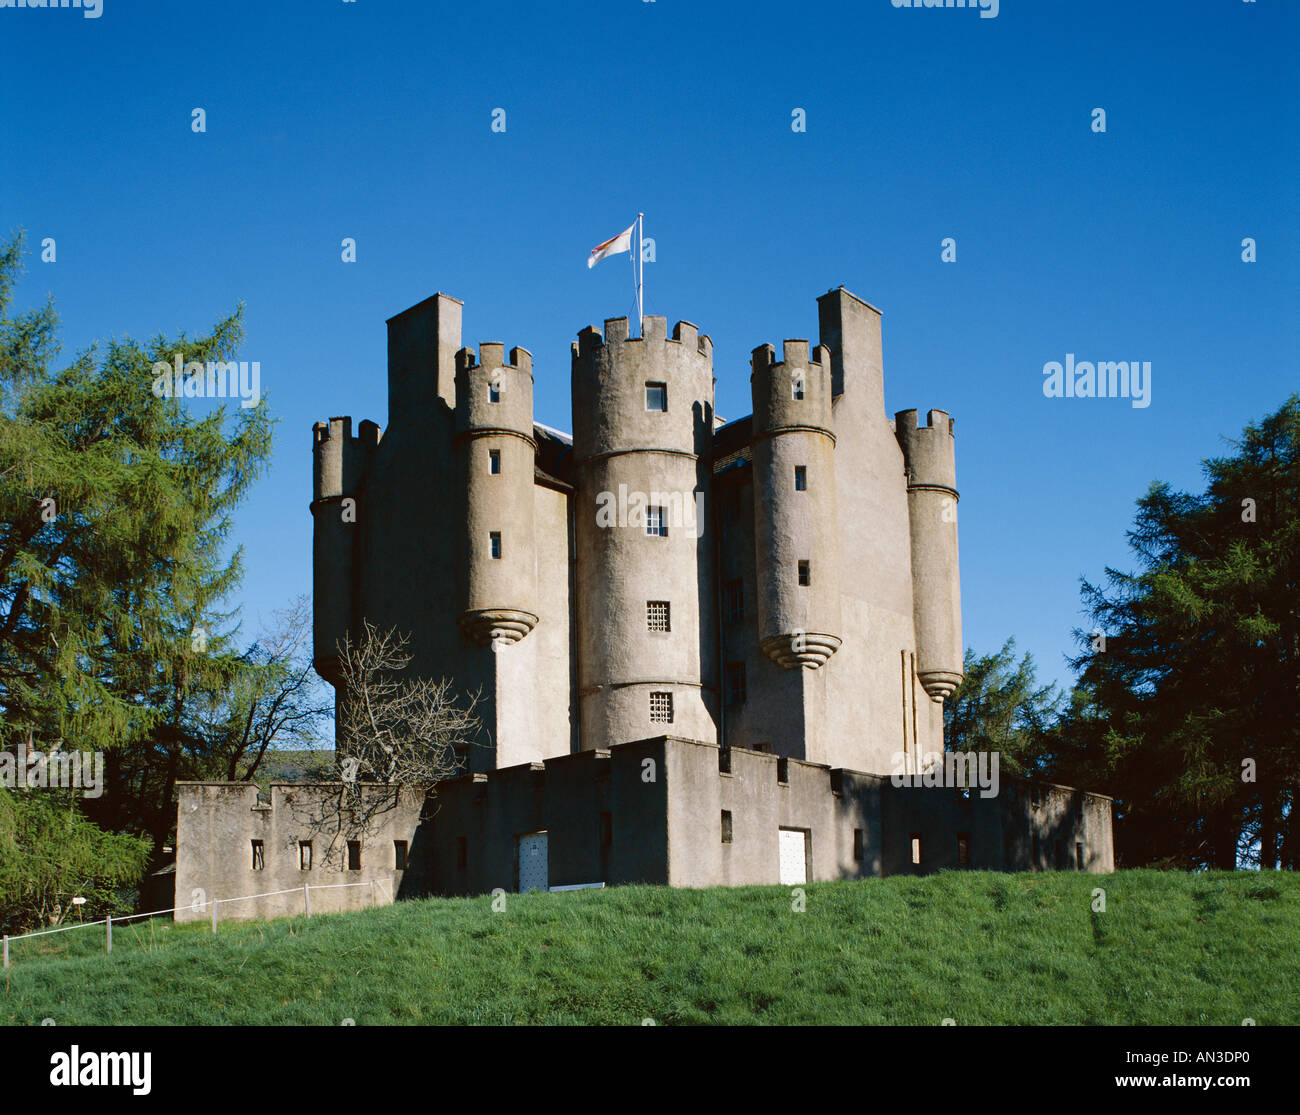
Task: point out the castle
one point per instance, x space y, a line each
764 614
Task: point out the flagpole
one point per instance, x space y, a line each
640 281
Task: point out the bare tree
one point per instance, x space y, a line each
396 736
405 731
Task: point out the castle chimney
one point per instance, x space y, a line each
422 346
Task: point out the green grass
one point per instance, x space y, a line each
976 947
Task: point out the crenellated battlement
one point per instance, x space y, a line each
794 354
340 461
491 355
654 328
929 451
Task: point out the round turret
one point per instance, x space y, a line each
497 455
930 457
642 440
339 465
796 536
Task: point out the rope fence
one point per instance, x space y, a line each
108 922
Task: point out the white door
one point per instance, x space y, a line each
794 858
532 862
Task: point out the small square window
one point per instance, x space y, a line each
857 845
304 855
726 826
494 391
495 540
657 615
354 855
656 522
736 683
916 848
399 855
805 573
800 478
963 847
661 708
259 858
656 396
494 462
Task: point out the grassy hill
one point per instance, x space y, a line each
977 947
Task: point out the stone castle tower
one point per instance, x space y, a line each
786 582
707 653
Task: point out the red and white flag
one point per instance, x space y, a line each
620 243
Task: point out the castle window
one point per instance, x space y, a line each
963 847
783 769
494 462
916 848
734 596
304 855
462 851
661 708
657 615
656 522
354 855
805 573
494 391
726 826
735 683
1078 855
656 396
800 478
399 855
259 858
495 539
857 845
796 387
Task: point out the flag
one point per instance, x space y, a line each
620 243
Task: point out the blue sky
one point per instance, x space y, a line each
371 120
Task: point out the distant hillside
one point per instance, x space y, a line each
975 947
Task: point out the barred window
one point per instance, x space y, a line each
656 522
657 615
735 683
661 708
734 600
